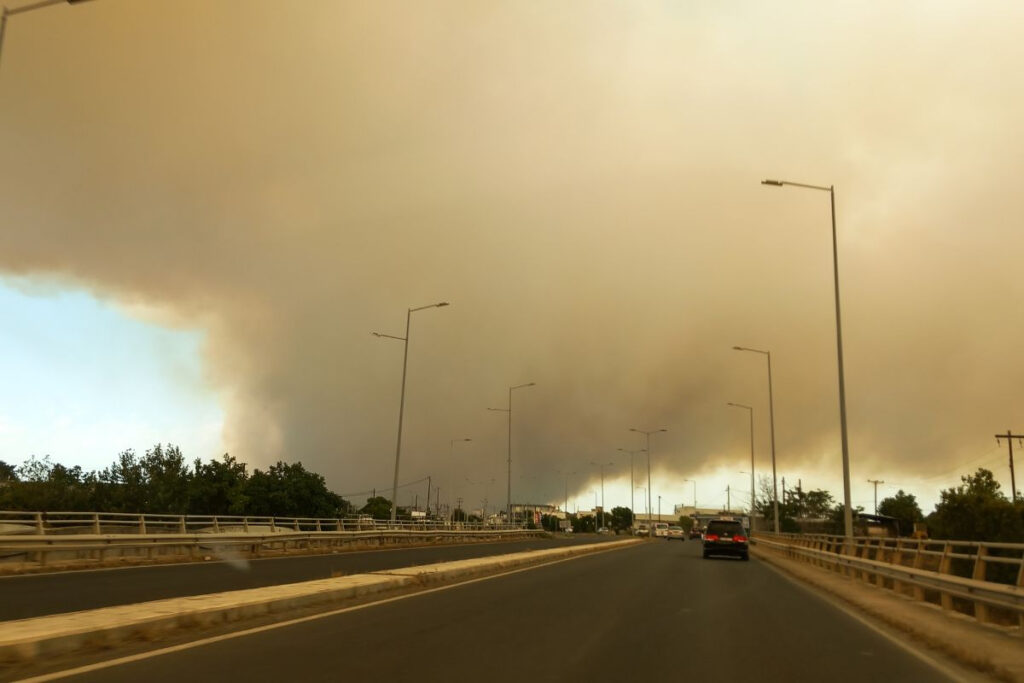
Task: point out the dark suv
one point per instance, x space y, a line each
725 537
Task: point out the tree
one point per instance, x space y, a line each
7 472
686 522
904 507
218 487
166 480
621 518
583 524
379 507
290 490
977 510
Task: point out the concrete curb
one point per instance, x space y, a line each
981 647
26 640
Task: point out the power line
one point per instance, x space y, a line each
382 488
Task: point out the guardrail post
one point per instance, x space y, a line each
897 559
1020 584
216 525
245 524
318 524
980 608
944 566
918 564
39 524
272 527
181 524
142 523
96 523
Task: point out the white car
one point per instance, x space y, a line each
676 532
661 530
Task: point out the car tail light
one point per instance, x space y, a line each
710 537
739 539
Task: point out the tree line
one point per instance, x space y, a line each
163 482
975 510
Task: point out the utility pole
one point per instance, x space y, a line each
428 495
1010 436
728 498
876 482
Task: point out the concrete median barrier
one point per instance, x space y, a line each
27 640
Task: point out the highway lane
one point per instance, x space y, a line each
655 612
33 595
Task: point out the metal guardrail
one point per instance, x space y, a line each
970 577
47 523
91 548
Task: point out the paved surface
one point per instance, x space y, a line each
655 611
34 595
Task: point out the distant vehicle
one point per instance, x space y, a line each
676 532
660 529
604 530
643 530
726 537
695 531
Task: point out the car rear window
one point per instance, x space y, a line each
725 528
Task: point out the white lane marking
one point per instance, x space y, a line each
88 668
926 657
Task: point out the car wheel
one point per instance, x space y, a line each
745 557
706 556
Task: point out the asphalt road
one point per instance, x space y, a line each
654 612
33 595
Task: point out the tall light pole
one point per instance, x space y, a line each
648 433
401 403
567 475
632 486
751 410
6 12
847 512
451 452
771 421
694 481
508 504
602 465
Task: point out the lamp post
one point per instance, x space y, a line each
6 12
567 475
694 481
771 421
847 512
401 403
751 410
602 465
632 486
648 435
508 504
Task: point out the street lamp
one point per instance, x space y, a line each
751 410
694 481
567 475
5 12
508 504
401 403
847 512
602 465
648 435
771 421
632 486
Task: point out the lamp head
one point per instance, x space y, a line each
775 183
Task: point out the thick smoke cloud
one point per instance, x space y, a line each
581 181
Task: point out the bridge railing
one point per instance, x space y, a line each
983 580
54 523
33 550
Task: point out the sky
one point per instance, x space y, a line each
209 207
